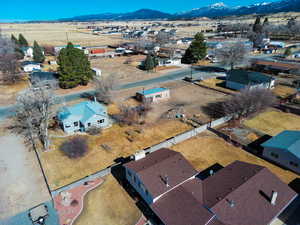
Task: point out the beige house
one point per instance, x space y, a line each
153 95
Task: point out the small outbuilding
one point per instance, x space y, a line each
240 79
153 95
284 149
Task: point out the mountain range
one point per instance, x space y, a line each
211 11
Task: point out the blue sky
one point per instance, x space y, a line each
53 9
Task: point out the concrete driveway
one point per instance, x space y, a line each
21 182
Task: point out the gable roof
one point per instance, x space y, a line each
231 196
277 65
155 167
247 77
82 111
152 91
287 140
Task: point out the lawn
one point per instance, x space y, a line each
206 150
8 93
217 84
283 91
273 122
109 204
123 141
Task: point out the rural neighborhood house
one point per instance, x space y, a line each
168 183
82 116
284 149
153 95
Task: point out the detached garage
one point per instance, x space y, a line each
153 95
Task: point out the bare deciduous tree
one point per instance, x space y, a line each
34 111
9 66
232 54
104 88
248 102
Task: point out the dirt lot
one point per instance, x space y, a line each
8 93
109 204
122 141
283 91
207 149
21 185
127 72
183 94
274 122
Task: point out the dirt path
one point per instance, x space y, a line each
21 182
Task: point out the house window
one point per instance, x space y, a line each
157 96
67 126
89 124
101 121
75 124
294 164
276 156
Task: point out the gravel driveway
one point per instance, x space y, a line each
21 182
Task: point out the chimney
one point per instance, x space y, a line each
274 197
167 180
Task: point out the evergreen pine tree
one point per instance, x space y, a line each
257 27
38 55
196 51
22 41
149 63
74 67
14 40
287 52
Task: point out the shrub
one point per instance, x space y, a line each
75 147
93 130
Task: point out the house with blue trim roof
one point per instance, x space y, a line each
284 149
239 79
153 95
82 116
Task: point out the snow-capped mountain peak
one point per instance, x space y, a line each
218 5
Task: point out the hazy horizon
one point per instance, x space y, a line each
55 9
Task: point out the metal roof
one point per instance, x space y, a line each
247 77
152 91
287 140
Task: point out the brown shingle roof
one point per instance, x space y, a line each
251 192
155 167
238 194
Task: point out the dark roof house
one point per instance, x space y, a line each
239 194
239 79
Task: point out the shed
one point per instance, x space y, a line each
153 95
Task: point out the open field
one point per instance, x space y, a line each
123 141
283 91
217 84
8 93
124 72
274 122
207 149
109 204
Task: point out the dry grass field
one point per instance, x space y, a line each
207 149
283 91
109 204
123 141
8 93
274 122
216 84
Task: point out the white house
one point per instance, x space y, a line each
82 116
153 95
284 149
97 72
240 79
169 61
31 66
28 51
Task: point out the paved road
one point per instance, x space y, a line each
9 110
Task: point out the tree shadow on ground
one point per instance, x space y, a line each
214 110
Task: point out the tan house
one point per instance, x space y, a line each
153 95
